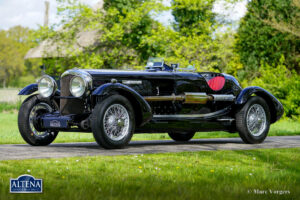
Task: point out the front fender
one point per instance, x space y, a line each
143 108
29 89
275 106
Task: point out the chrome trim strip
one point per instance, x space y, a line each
132 82
75 72
226 119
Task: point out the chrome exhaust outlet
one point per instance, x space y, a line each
223 97
197 98
192 98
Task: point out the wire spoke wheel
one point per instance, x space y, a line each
253 120
116 122
113 122
256 120
29 123
38 109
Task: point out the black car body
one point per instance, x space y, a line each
157 100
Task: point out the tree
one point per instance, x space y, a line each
120 28
128 36
282 83
14 43
194 15
292 26
123 6
258 42
133 20
193 40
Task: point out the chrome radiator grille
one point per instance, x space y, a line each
69 106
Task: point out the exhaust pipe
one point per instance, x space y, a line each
192 98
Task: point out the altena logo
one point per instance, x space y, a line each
26 184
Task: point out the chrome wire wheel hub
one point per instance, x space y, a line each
38 109
116 122
256 120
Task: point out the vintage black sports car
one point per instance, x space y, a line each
114 104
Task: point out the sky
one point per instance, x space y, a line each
30 13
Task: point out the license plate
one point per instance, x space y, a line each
55 124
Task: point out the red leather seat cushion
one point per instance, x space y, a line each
216 83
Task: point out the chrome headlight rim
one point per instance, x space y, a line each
52 83
85 86
84 75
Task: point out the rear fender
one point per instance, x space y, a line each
275 106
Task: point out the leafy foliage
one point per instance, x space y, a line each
282 83
14 44
291 26
128 36
258 42
194 16
119 35
270 55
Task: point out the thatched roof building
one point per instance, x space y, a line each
50 49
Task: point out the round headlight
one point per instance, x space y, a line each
46 86
77 86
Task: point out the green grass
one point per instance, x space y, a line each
187 175
9 133
9 107
9 99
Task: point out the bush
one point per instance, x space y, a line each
283 84
23 80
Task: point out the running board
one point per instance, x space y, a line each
206 116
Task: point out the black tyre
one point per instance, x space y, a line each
253 120
113 122
29 127
181 136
